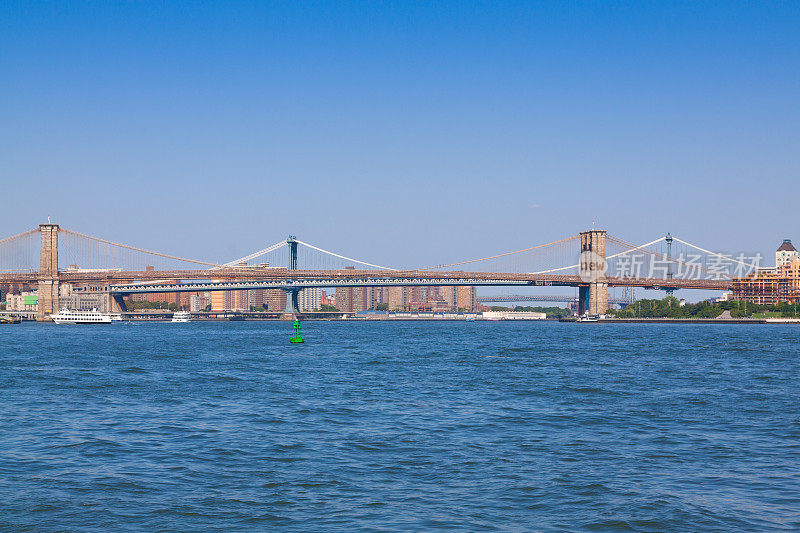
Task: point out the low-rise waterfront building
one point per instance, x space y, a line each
772 285
77 301
25 301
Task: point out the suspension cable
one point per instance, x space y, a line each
97 239
634 247
609 257
266 250
663 256
343 257
554 269
499 255
714 253
23 234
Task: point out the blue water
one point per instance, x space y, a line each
399 426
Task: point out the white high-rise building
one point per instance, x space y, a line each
309 299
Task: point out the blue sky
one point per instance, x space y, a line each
401 133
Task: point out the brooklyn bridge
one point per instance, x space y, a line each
45 257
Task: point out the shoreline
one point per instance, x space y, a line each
687 320
428 319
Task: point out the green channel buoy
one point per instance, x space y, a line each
297 338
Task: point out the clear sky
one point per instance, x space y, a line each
401 133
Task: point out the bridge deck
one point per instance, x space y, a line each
150 281
300 279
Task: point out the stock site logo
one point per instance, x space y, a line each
593 267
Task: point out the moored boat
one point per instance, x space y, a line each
182 316
67 316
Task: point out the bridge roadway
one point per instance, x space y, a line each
136 282
279 278
520 298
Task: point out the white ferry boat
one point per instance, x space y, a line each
182 316
66 316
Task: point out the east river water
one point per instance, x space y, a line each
399 426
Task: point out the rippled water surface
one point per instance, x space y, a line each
399 426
